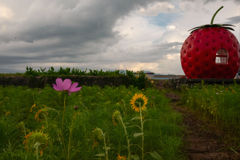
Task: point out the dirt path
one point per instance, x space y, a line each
203 140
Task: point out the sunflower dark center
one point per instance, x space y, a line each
137 102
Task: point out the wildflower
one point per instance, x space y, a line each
66 86
7 113
116 116
97 134
36 137
32 107
113 120
75 107
40 91
43 111
41 152
95 144
21 124
226 89
152 82
37 115
217 93
121 158
139 98
41 128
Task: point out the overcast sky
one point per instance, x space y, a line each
104 34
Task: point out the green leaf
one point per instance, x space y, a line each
156 155
147 120
135 157
106 148
137 135
228 28
135 118
100 155
199 27
134 126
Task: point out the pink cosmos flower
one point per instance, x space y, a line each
66 85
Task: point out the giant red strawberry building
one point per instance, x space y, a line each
211 51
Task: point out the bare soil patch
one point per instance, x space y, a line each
203 140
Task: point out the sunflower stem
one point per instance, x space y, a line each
215 15
106 150
141 128
126 137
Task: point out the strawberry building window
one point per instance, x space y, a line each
221 56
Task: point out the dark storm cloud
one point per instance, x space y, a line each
233 20
208 1
82 22
78 27
157 51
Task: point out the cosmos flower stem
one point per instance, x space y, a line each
126 137
70 137
141 129
62 125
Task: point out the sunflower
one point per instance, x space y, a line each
138 98
121 157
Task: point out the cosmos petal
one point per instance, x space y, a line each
67 84
59 83
56 87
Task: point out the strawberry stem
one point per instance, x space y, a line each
215 15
